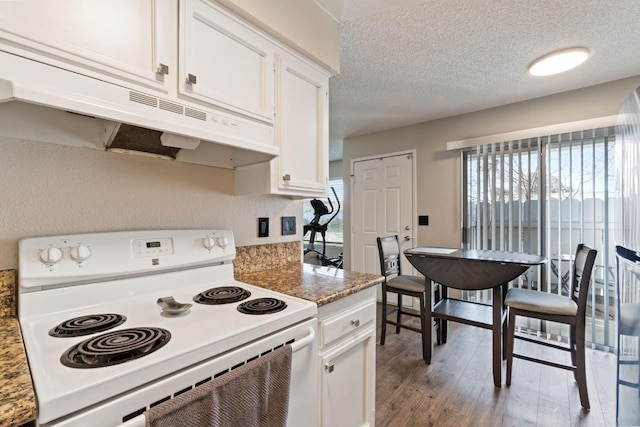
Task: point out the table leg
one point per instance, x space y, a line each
504 322
428 335
497 336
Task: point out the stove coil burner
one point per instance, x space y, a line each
222 295
87 325
262 306
113 348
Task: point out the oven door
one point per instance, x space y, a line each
128 410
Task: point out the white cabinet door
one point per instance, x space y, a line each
302 126
347 345
115 39
301 132
224 62
348 382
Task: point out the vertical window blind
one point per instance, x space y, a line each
545 195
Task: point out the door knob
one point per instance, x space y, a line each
407 228
407 238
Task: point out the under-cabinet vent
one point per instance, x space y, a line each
172 107
195 114
165 105
141 98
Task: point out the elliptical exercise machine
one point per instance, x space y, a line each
315 226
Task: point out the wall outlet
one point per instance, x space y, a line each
263 227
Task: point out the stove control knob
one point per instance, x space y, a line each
79 253
50 256
223 242
209 242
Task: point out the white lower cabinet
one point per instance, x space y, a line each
347 352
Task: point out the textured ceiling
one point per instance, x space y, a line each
411 61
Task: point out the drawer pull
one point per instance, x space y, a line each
328 367
191 79
355 323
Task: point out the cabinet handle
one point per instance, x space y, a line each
162 69
328 367
191 79
355 323
286 177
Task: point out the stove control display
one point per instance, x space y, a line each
152 247
50 256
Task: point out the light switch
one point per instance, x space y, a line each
263 227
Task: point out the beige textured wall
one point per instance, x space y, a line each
48 189
438 170
302 24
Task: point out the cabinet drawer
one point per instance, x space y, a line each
348 321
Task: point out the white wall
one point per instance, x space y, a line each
438 170
48 189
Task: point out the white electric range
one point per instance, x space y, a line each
115 323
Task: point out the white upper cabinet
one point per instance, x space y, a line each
225 62
301 132
115 39
302 128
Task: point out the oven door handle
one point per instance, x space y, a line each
303 342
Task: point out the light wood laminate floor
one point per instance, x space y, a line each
457 389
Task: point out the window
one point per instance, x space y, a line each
545 195
334 229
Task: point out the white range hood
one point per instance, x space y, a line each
139 120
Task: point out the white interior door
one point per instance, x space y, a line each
383 204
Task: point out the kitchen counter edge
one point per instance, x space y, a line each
18 402
315 283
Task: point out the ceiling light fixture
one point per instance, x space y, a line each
559 61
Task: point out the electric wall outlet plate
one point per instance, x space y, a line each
288 225
263 227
